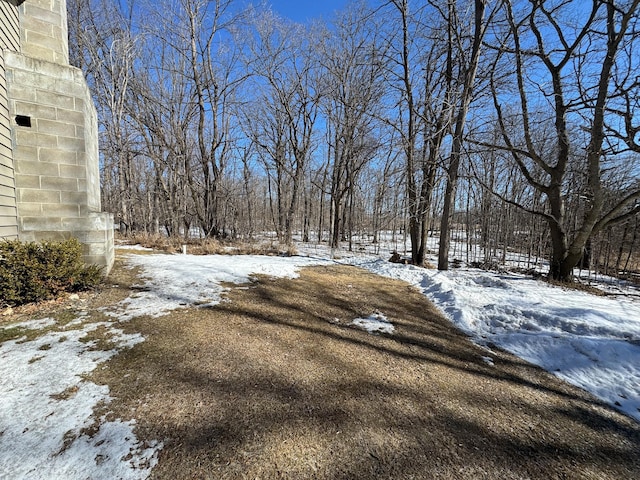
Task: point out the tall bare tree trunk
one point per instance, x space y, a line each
458 135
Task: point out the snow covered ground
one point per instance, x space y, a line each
375 323
48 405
177 281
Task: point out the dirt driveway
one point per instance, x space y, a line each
275 383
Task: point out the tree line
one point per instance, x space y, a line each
512 123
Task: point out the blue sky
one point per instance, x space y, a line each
303 10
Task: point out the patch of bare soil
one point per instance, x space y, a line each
275 383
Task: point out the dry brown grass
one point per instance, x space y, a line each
208 246
577 285
276 384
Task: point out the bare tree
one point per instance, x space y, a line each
572 66
424 77
212 61
284 69
352 82
162 111
468 70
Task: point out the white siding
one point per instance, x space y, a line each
9 40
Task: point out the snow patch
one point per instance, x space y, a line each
46 405
488 361
139 248
38 324
179 281
376 323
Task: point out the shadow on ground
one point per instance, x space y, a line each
275 383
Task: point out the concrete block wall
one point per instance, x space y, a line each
44 31
54 132
56 152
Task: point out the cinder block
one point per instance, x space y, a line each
51 236
18 91
76 224
50 83
28 167
40 224
94 239
54 127
61 57
79 198
101 260
98 248
72 87
57 155
42 39
93 199
23 75
70 117
90 259
71 143
41 26
27 195
34 110
102 221
60 184
72 171
41 10
62 210
55 99
26 154
84 160
30 138
25 236
30 210
62 38
27 181
37 51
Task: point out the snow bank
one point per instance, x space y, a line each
592 342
